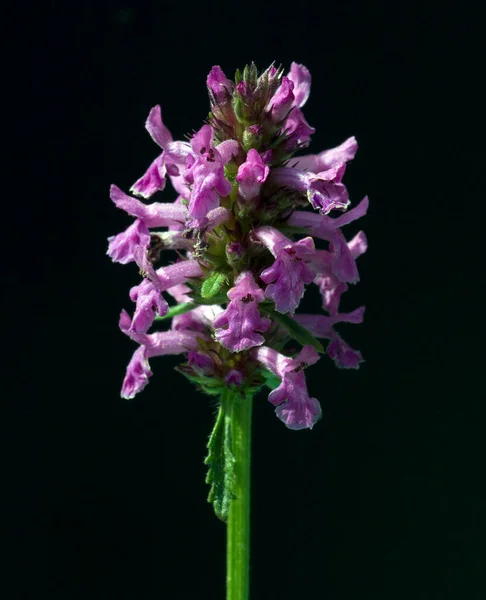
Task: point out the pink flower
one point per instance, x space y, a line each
137 375
154 178
121 247
294 406
322 326
251 174
234 377
282 101
205 171
301 78
324 190
343 254
149 302
242 318
156 344
148 295
157 214
219 85
328 158
330 272
297 130
289 272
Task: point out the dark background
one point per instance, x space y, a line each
382 499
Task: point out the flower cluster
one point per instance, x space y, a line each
239 242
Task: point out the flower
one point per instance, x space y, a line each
281 103
219 85
251 174
328 158
243 222
154 178
157 214
205 171
301 78
148 295
155 344
323 327
242 317
294 406
122 246
324 190
343 254
289 271
298 132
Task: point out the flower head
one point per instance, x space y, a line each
241 230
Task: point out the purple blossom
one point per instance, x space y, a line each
234 250
154 178
241 88
157 214
156 344
156 128
329 273
331 290
324 190
147 270
148 295
253 125
219 85
342 354
215 217
343 254
328 158
149 302
137 375
121 247
301 78
242 317
205 171
322 226
289 271
234 377
322 326
251 175
201 363
297 130
282 101
294 406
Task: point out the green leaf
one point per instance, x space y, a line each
209 385
221 461
297 331
218 299
213 284
180 309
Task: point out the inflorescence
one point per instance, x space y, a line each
241 234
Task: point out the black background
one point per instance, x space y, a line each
382 499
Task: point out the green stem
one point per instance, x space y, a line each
178 309
238 411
